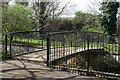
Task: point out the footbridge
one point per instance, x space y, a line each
79 52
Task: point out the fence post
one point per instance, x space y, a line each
28 42
10 44
6 45
103 40
88 57
48 46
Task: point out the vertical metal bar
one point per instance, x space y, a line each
42 43
48 39
28 42
71 54
88 56
118 48
6 45
54 56
63 49
92 40
103 41
59 51
76 34
50 51
10 45
97 41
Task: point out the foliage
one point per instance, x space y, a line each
45 10
58 24
16 18
108 17
86 21
79 20
91 29
66 24
42 15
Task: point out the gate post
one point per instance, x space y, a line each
10 44
6 45
48 46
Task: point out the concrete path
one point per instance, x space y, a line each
32 67
20 70
36 57
41 56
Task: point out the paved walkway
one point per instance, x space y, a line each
33 69
42 55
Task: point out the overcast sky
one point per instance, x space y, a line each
81 5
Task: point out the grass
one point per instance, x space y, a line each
1 56
35 42
26 41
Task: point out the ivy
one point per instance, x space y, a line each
108 18
42 15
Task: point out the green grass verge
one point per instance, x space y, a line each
108 47
26 41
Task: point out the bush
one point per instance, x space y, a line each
16 18
87 22
79 20
59 24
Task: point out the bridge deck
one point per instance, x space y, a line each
55 54
40 57
20 70
32 66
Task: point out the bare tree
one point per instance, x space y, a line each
51 10
94 8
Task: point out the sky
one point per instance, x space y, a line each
89 6
82 5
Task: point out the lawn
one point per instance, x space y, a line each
107 46
56 43
26 41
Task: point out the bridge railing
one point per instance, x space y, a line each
84 53
18 43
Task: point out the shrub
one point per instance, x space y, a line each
16 18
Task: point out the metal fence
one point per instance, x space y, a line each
17 43
87 53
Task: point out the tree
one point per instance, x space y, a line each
16 18
22 3
94 8
108 17
86 21
79 20
45 10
